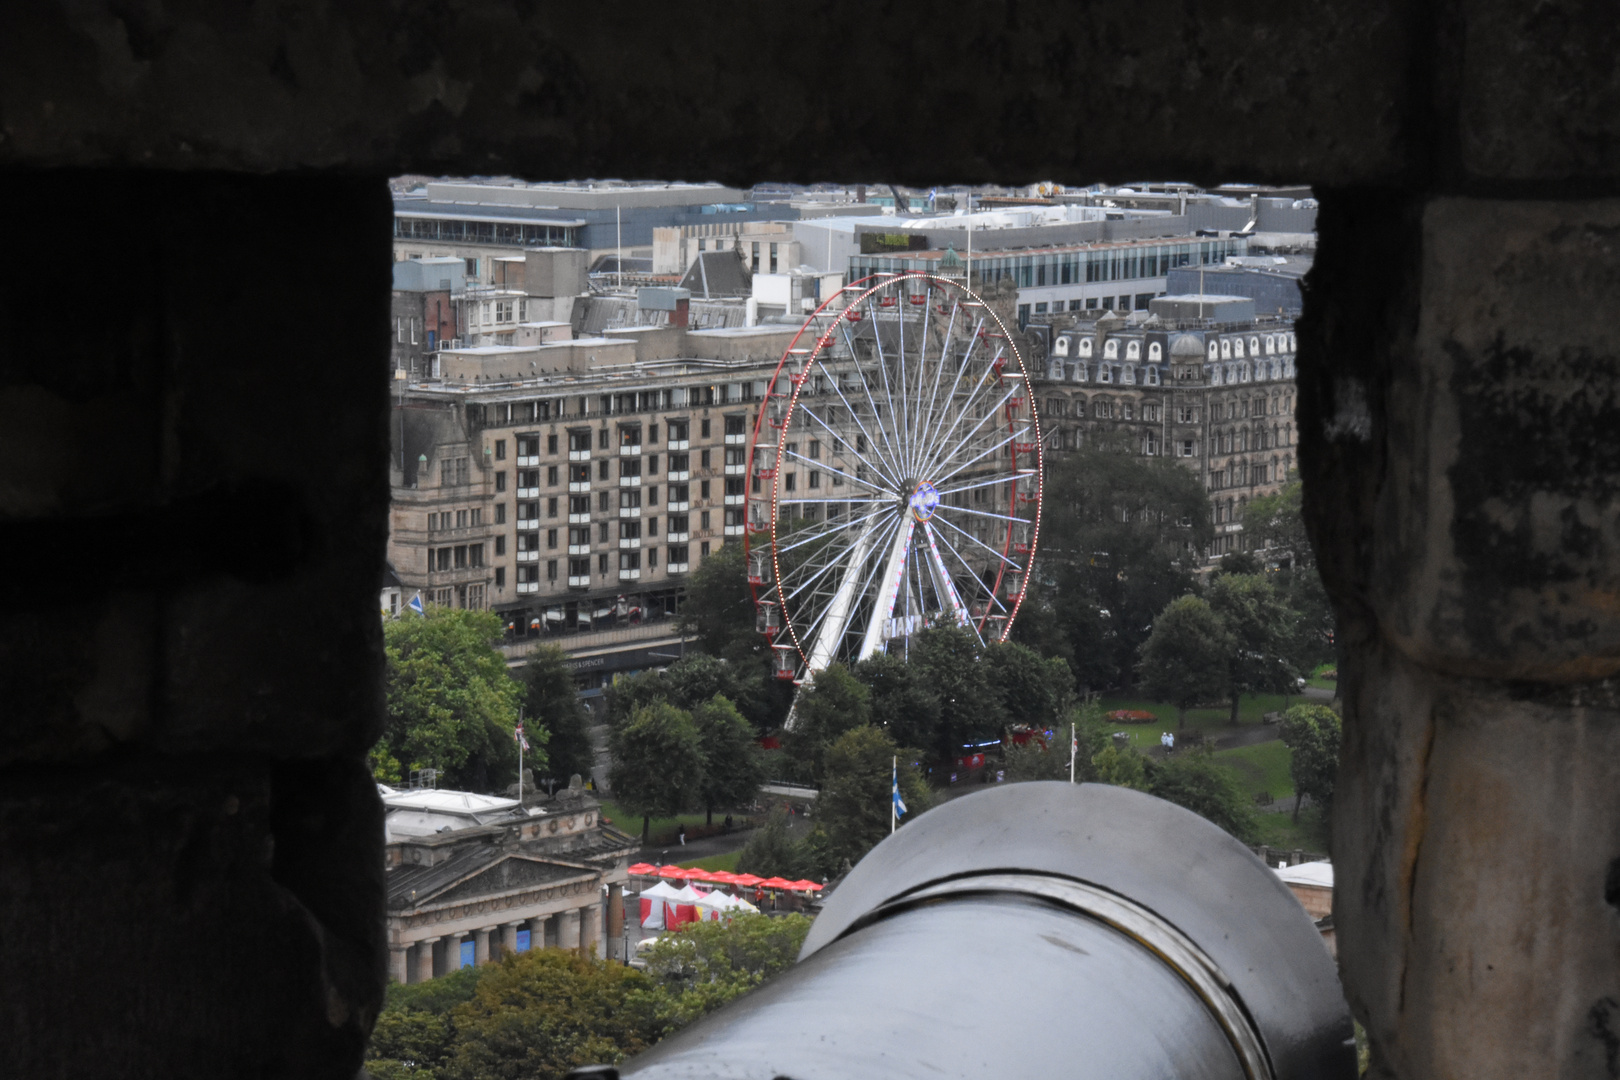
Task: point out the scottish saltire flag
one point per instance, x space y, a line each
899 803
416 603
520 738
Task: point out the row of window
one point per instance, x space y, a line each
458 557
629 435
458 519
676 556
1071 267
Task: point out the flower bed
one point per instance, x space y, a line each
1131 716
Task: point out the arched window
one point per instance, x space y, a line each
1080 373
1153 374
1061 346
1271 344
1111 349
1254 346
1105 373
1085 346
1130 375
1215 375
1133 350
1155 351
1226 348
1245 374
1237 346
1214 350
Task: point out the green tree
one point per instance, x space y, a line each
698 677
833 703
773 851
1121 766
718 607
1313 734
551 703
706 964
902 702
451 704
541 1013
1122 538
1261 627
1185 658
1031 690
658 762
853 808
1192 780
1275 524
949 660
732 768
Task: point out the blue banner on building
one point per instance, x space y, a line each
466 954
522 941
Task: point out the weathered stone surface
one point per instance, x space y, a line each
1538 93
731 92
170 908
1475 830
1498 553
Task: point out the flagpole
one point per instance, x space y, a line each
520 756
1071 751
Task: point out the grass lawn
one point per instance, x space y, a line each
726 862
1315 677
1279 830
1251 707
631 824
1261 767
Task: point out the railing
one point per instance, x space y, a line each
629 543
677 537
629 511
740 439
528 461
678 444
629 575
677 476
528 556
630 451
676 507
733 530
579 582
629 481
528 587
528 523
579 549
528 493
576 487
676 568
579 455
579 519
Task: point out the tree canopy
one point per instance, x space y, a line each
831 704
1192 780
1123 538
1313 733
732 768
1261 628
853 808
1186 658
451 705
551 703
658 762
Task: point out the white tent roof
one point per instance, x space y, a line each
1311 873
689 894
661 891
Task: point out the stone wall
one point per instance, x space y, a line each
191 876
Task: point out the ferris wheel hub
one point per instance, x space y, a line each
923 501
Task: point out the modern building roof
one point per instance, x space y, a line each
716 273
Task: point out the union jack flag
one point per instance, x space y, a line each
520 738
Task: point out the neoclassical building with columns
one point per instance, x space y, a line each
470 876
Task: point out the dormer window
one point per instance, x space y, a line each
1215 375
1153 374
1111 349
1085 346
1061 347
1130 375
1226 348
1080 373
1214 351
1155 352
1254 346
1133 350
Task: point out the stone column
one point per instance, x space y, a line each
590 929
537 931
481 945
1459 417
568 929
509 933
452 951
424 959
398 963
615 921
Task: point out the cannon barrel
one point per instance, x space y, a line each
1041 929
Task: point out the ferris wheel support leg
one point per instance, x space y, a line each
831 632
942 578
893 573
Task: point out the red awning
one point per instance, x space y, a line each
747 880
776 883
643 869
808 886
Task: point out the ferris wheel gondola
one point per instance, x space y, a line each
894 476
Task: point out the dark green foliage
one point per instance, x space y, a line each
544 1012
451 703
1030 762
1186 659
732 768
658 762
1031 690
966 708
773 851
1261 628
1276 523
827 707
902 703
853 809
706 964
1122 766
718 607
1192 780
1313 733
1239 562
1122 539
551 703
1039 627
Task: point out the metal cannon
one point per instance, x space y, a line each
1035 930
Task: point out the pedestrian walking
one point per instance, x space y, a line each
682 834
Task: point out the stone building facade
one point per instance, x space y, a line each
469 877
1216 393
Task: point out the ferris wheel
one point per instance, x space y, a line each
894 476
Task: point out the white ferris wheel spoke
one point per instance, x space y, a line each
829 528
999 478
853 415
939 369
981 543
877 417
942 456
892 478
994 599
895 416
828 637
851 477
987 514
942 583
986 452
894 573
